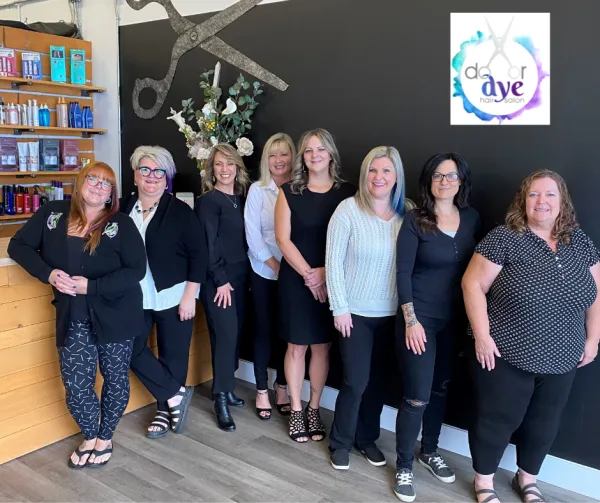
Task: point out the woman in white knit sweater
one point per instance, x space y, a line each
361 283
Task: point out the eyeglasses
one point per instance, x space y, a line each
145 171
450 177
93 182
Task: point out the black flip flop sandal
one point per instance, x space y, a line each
91 464
162 420
179 412
528 490
80 453
263 411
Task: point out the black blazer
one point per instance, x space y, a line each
173 241
114 271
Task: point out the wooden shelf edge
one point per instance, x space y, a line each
35 174
17 130
17 82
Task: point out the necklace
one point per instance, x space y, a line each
138 208
234 202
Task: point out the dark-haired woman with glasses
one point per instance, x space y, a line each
171 233
434 246
94 260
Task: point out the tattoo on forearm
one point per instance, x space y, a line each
409 315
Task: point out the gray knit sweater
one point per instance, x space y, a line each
360 262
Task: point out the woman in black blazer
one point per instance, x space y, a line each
94 260
171 233
225 282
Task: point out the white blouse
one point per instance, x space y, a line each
259 219
165 299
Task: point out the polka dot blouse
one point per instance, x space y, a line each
537 303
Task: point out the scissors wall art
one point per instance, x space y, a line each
192 35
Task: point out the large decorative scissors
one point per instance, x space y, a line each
192 35
499 51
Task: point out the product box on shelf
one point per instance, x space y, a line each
8 64
31 65
58 66
49 149
77 66
69 153
8 154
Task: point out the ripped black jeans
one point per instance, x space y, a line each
425 378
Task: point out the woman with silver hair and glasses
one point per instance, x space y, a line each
265 258
360 268
302 212
171 234
225 275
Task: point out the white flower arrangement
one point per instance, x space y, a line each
215 124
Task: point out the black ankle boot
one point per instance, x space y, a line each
224 419
233 400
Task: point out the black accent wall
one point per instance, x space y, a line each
378 72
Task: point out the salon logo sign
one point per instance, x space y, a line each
500 69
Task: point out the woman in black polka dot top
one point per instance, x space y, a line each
531 296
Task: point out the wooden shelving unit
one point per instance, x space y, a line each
8 218
18 82
35 174
49 131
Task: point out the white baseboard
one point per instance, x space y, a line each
559 472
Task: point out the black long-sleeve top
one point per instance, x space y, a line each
430 266
114 271
222 219
173 241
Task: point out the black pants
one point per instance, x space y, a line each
266 334
426 378
163 376
78 359
507 399
225 327
360 400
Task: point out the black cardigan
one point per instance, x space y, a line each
430 266
173 241
114 271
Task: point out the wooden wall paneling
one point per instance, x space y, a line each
25 335
29 377
27 290
27 356
3 276
26 312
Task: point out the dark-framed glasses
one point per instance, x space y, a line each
450 177
158 173
93 181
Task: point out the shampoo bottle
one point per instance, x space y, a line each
36 199
29 113
27 202
77 116
19 201
35 112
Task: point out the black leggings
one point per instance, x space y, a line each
163 376
225 327
266 334
507 399
78 360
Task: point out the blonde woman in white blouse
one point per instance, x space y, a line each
275 169
361 283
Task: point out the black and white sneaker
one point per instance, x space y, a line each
373 455
340 459
403 487
436 465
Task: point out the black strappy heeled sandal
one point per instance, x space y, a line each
315 425
529 489
162 421
298 426
283 408
259 411
179 412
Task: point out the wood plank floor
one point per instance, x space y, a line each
256 463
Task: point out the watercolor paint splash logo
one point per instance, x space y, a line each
498 77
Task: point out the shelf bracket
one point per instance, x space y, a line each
17 132
86 92
89 134
17 85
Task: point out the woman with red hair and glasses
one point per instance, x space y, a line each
94 259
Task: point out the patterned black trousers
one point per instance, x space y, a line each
78 360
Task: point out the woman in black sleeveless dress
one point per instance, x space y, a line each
304 207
